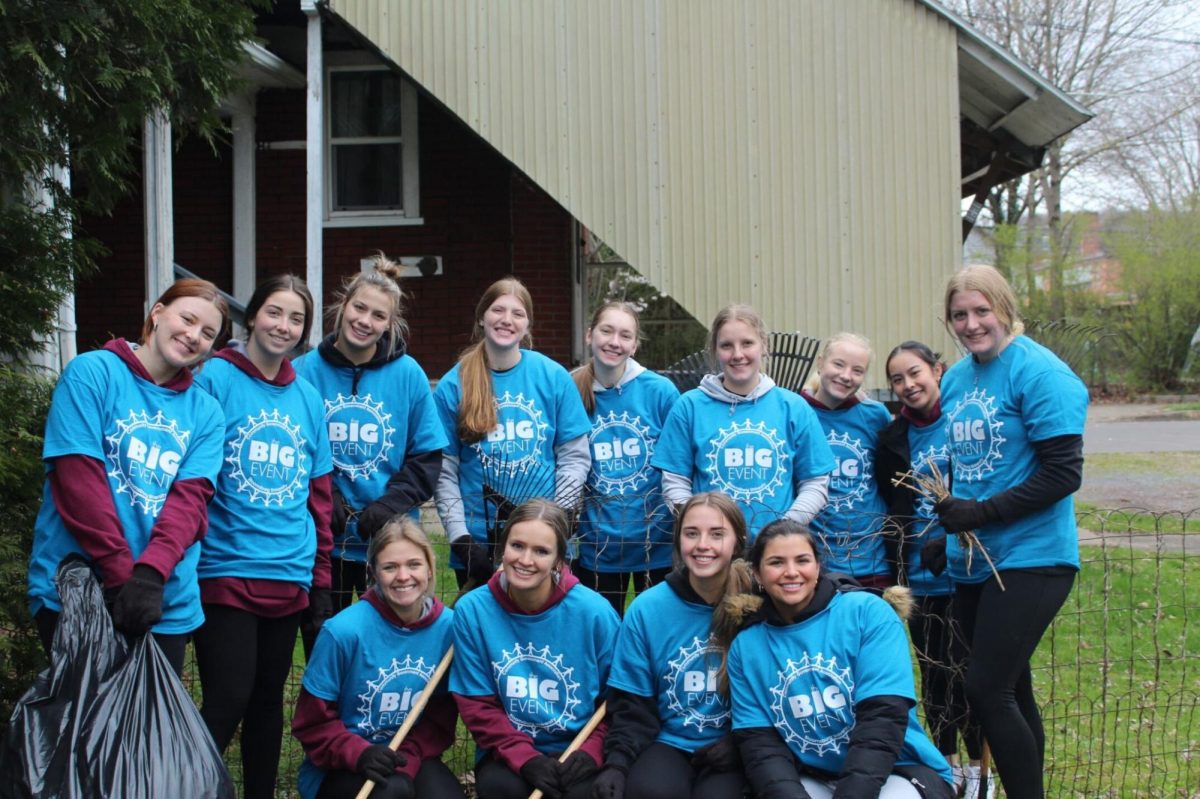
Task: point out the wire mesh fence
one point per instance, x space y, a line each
1117 675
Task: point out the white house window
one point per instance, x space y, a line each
372 135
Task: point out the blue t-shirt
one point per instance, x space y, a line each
992 413
805 679
548 670
147 437
757 451
926 446
849 526
374 671
372 429
539 409
626 524
664 653
259 526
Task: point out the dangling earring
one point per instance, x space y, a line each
155 328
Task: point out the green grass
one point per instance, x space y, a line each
1166 464
1091 517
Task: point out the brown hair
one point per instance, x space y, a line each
540 510
403 529
384 275
988 281
585 375
477 403
280 283
189 287
736 312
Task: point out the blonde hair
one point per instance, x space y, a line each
814 379
477 402
384 275
585 375
988 281
737 312
403 529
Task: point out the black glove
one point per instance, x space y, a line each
933 555
609 784
543 773
576 768
320 608
474 557
720 755
339 515
375 516
138 605
378 762
959 515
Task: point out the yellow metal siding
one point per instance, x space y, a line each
801 155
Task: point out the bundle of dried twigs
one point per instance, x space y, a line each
933 485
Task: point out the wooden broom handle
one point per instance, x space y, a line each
587 730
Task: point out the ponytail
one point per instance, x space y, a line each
585 379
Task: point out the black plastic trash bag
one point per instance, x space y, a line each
107 720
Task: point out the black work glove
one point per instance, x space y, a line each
933 555
609 784
542 773
339 515
720 755
474 557
959 515
378 762
138 605
320 608
578 766
376 515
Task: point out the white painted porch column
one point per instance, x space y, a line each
315 161
244 198
159 205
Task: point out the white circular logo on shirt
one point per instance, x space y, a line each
813 704
855 470
974 435
921 464
268 459
145 454
746 461
515 443
621 450
360 435
537 692
387 700
692 686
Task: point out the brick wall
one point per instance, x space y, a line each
482 216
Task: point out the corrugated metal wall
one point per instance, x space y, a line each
801 155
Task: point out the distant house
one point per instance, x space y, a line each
806 157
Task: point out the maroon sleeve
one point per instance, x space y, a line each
594 744
182 522
79 489
492 730
432 734
320 505
325 739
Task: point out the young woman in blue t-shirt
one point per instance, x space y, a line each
370 663
850 528
625 528
132 452
265 560
1014 416
516 426
822 691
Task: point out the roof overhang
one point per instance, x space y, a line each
1008 113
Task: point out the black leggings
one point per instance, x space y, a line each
434 781
664 772
614 586
943 694
349 577
172 645
244 661
494 780
999 632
